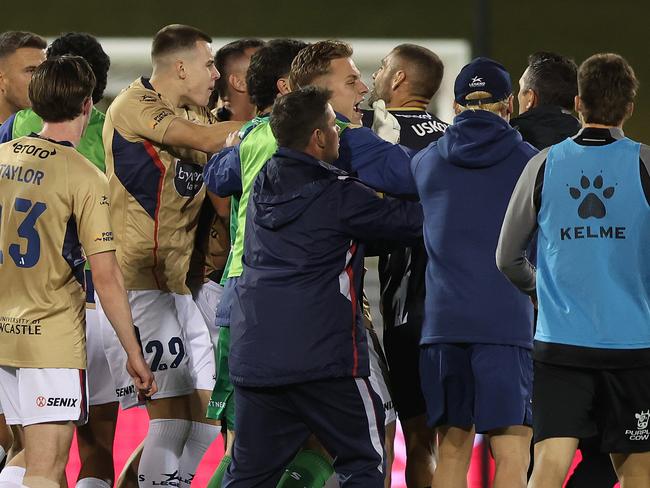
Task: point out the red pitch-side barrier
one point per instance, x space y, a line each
132 427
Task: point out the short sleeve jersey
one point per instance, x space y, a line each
157 190
53 202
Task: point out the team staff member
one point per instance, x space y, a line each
54 201
95 439
475 362
301 254
588 198
156 137
546 92
409 76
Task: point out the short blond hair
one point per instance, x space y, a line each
477 96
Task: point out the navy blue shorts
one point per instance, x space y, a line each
225 304
485 385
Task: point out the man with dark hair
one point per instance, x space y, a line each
475 361
546 92
157 134
302 368
231 174
20 55
55 201
95 439
232 61
407 79
588 198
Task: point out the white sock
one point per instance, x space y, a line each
13 474
161 454
92 483
200 438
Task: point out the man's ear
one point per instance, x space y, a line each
398 79
237 82
318 137
630 110
511 104
88 105
283 86
577 104
457 108
179 65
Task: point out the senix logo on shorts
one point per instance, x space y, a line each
642 433
41 402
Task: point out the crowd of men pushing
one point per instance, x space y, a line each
305 175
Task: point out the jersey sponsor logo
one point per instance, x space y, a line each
477 82
188 179
33 150
21 174
148 98
160 117
14 325
104 237
42 402
592 205
127 390
641 433
428 127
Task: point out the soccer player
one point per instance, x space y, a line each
302 366
588 198
406 81
409 76
547 89
475 361
156 136
267 79
20 55
53 202
95 439
232 61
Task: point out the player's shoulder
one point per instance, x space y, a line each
135 97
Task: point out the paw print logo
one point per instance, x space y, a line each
592 204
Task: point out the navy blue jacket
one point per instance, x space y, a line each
465 180
296 314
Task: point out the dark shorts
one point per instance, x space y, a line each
577 402
402 345
485 385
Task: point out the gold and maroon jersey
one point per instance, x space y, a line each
156 190
53 201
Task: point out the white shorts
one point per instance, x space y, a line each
175 343
100 382
378 377
207 297
42 395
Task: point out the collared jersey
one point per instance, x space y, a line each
157 191
419 128
53 201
